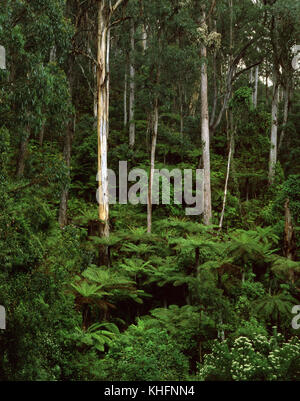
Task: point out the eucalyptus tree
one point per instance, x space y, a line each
29 33
106 11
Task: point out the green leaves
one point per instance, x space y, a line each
97 336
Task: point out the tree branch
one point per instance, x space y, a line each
115 6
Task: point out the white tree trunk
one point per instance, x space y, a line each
255 86
226 182
205 139
152 166
132 89
144 38
105 13
102 119
274 130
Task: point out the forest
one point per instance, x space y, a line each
110 268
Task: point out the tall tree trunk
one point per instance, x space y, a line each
227 177
152 166
205 139
274 129
144 37
41 136
132 88
194 98
287 93
215 103
102 119
181 99
22 156
125 98
70 130
255 93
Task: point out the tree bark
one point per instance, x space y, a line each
144 38
22 156
152 166
125 98
102 119
205 139
132 88
274 130
287 93
70 130
255 93
226 182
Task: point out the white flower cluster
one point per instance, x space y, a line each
257 359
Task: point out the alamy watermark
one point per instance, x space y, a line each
175 183
296 319
2 318
296 59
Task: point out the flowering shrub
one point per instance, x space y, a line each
257 359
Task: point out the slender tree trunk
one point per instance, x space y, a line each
152 166
125 98
215 103
132 88
255 93
226 182
22 156
274 129
144 37
181 111
205 139
195 99
285 114
70 131
41 137
52 57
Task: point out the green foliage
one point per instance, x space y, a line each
187 294
142 353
